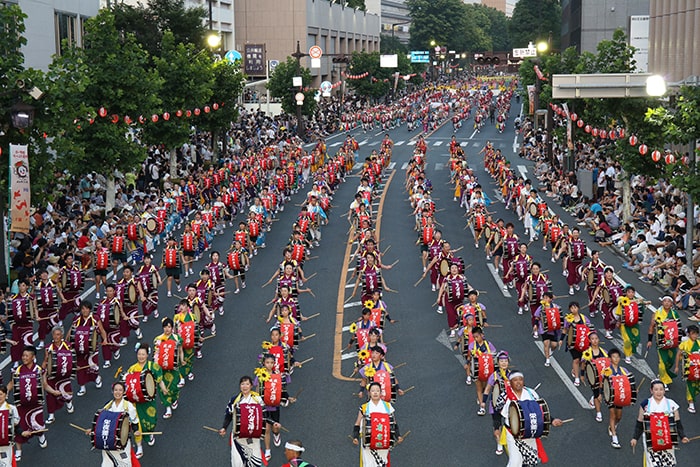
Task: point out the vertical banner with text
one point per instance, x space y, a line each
20 189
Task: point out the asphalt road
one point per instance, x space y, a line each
440 412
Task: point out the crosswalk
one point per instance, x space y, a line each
434 143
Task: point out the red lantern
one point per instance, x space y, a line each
127 120
670 158
115 118
656 155
621 132
222 104
188 113
166 116
612 135
595 132
215 106
603 134
574 117
178 113
142 120
207 109
154 118
580 123
685 159
197 111
643 149
102 112
92 120
587 129
633 140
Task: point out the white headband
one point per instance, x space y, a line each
516 374
293 447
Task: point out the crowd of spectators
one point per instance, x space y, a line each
652 240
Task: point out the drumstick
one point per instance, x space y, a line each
567 420
405 435
455 251
640 383
693 438
387 249
394 263
151 432
538 385
210 429
208 337
494 325
43 430
84 430
419 280
306 361
307 337
312 316
409 389
311 276
399 365
296 396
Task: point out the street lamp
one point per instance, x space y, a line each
542 47
22 115
656 86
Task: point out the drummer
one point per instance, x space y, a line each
245 444
147 410
524 451
573 346
592 353
376 363
628 312
690 348
171 377
663 322
658 404
85 326
122 457
58 384
374 457
479 346
608 290
499 377
293 450
11 426
593 273
550 337
615 412
272 422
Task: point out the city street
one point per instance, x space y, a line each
441 411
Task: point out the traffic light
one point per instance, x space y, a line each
341 59
488 60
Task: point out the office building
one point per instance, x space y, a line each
674 39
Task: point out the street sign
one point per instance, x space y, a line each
233 56
524 53
599 85
420 56
272 64
315 51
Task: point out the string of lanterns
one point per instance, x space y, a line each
619 133
102 112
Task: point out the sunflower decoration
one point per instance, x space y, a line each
369 304
624 301
569 318
363 354
353 328
370 372
262 374
607 372
266 345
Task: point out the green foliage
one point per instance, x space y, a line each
534 21
380 81
359 4
148 23
450 24
280 86
226 87
497 28
392 45
110 71
187 81
681 126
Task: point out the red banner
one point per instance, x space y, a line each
20 189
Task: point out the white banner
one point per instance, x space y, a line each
20 189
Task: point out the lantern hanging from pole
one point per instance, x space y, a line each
215 106
574 117
643 149
594 132
670 158
656 155
580 123
207 109
166 116
621 133
154 118
633 140
197 111
178 113
603 134
188 113
102 112
587 129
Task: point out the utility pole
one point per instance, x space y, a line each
300 120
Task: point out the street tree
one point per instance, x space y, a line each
446 23
110 72
534 21
280 86
187 84
379 81
391 45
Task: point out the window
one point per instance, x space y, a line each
66 30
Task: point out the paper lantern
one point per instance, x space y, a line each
166 116
197 111
633 140
127 120
178 113
142 120
574 117
580 123
603 134
643 149
207 109
115 118
102 112
92 120
154 118
588 129
656 155
188 113
215 106
670 158
685 159
621 132
612 135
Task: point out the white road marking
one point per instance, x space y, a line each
499 196
498 280
412 143
464 143
336 144
515 144
352 304
439 166
403 167
399 143
523 171
638 363
374 143
437 143
348 356
476 145
472 136
583 402
392 165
